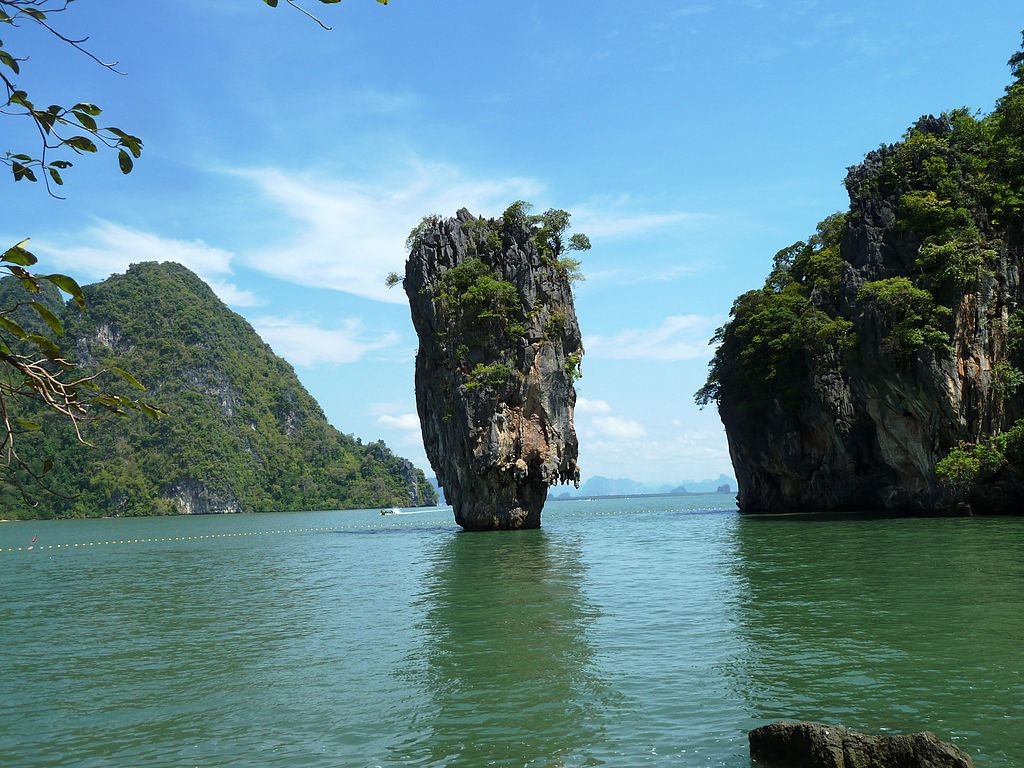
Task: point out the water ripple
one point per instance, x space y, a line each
648 632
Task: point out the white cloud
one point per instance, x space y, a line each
618 428
679 337
650 274
668 451
107 248
656 460
623 217
302 343
397 417
406 422
585 405
348 235
232 294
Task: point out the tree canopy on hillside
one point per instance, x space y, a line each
32 365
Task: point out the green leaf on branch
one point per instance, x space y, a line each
81 144
89 109
12 327
17 254
85 120
45 345
10 62
129 378
28 280
132 143
124 160
69 286
48 317
22 172
46 119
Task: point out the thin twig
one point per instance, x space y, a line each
303 11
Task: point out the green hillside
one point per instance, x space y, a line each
241 434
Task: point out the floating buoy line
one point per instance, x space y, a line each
391 524
37 546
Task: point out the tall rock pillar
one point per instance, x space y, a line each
499 350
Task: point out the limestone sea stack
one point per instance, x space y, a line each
881 365
499 350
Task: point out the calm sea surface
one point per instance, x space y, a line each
634 632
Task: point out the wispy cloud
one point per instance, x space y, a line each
653 449
618 428
625 217
679 337
106 248
669 455
406 422
585 405
349 234
303 343
667 273
600 424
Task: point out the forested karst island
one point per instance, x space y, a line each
499 351
880 366
241 433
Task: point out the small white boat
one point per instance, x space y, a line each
391 511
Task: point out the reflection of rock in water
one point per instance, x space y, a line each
507 657
868 623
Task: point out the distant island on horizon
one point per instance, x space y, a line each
599 485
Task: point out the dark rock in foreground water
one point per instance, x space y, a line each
814 745
499 351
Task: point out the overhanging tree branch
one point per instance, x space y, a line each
73 128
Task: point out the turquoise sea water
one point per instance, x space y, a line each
627 632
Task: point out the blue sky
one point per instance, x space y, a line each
286 164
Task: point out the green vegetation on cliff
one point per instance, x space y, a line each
900 285
481 308
781 331
241 433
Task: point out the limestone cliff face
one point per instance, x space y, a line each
499 349
860 425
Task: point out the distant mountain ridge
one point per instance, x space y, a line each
607 486
242 434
